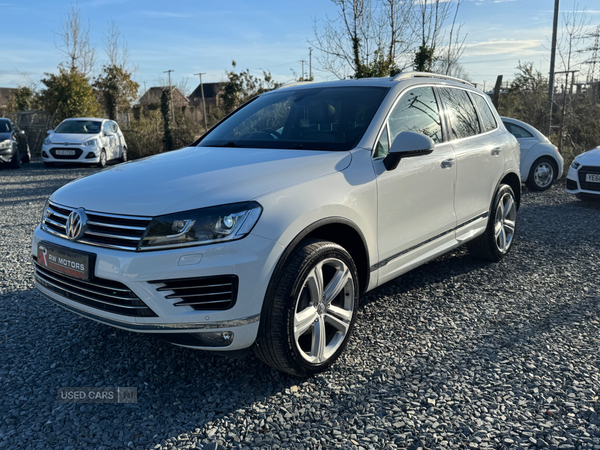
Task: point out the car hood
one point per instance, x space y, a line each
5 136
195 178
590 158
71 138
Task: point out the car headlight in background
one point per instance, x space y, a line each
93 142
5 144
47 141
575 165
201 226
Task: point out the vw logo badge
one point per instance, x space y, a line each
75 226
67 144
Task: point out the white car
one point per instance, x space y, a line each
264 233
84 140
583 177
541 163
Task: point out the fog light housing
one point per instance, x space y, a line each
215 338
90 155
45 155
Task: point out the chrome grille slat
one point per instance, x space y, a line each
94 294
193 287
201 303
115 231
197 295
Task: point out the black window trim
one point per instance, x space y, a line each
479 115
522 128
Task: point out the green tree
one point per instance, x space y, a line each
68 94
241 87
24 98
165 109
116 89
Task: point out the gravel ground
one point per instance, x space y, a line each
456 354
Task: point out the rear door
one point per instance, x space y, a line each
479 158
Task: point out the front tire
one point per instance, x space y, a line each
542 174
123 157
103 160
498 237
310 313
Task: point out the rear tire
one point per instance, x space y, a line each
27 157
309 315
542 174
498 237
123 157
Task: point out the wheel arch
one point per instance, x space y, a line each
513 180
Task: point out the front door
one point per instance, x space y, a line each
415 200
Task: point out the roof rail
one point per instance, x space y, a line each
408 75
294 83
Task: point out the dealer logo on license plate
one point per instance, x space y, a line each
71 263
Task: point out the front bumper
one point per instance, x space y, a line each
251 259
6 154
576 183
84 155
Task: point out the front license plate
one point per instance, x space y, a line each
72 263
592 177
65 152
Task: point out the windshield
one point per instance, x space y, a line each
79 127
329 118
5 126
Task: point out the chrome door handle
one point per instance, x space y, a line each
496 151
447 163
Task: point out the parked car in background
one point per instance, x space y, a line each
14 148
541 163
84 140
583 177
264 233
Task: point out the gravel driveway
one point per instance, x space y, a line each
456 354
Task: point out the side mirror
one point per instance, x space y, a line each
49 131
407 145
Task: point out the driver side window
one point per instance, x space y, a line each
417 110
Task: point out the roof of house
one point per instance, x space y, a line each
154 94
210 90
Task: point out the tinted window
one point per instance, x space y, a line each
330 118
460 112
517 131
488 120
5 126
416 111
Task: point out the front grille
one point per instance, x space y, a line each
107 295
571 185
583 171
216 293
78 153
103 230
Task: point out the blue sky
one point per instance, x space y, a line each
205 36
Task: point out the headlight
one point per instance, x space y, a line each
93 142
575 165
201 226
47 141
5 144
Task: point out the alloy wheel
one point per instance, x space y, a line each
505 222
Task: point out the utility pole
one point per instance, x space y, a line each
302 61
310 63
552 60
203 102
171 92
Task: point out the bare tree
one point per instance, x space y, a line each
363 40
75 44
447 63
115 46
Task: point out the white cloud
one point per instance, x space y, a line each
522 47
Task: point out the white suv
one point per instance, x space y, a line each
85 140
264 234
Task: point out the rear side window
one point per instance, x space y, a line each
460 112
517 131
488 121
416 111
